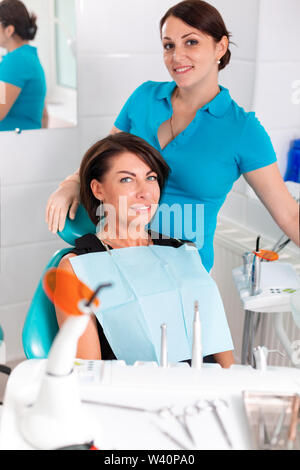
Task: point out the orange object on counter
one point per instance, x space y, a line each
267 255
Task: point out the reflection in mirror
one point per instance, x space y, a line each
38 82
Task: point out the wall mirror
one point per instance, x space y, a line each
55 42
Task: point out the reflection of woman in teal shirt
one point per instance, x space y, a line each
22 78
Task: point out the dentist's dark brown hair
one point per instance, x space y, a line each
203 16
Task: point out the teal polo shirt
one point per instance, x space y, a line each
22 68
222 142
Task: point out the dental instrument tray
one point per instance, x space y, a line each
278 281
273 420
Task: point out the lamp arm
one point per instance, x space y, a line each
63 351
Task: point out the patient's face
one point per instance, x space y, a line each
131 187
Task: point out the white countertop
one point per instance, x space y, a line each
150 387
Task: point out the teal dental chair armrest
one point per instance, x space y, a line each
78 227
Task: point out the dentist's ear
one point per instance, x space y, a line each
222 47
96 188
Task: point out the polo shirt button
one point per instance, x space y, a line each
174 144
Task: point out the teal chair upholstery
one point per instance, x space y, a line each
40 325
78 227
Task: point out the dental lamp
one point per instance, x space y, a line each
56 419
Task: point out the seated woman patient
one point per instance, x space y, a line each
155 280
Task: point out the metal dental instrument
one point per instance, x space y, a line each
209 405
255 276
262 444
100 287
203 404
197 340
283 245
278 427
163 351
182 420
172 438
164 412
257 244
214 406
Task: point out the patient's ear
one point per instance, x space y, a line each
97 189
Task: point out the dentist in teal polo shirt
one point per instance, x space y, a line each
221 143
207 139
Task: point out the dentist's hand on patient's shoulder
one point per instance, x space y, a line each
64 199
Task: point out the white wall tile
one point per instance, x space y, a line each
12 318
235 208
108 81
273 95
21 270
93 129
241 20
133 25
40 155
282 139
240 186
238 77
120 26
23 214
279 30
259 220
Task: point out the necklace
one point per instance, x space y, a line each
108 244
171 118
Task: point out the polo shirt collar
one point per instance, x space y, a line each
217 107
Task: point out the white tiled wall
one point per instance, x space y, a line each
31 165
118 48
277 67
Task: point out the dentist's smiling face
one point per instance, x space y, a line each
189 55
131 181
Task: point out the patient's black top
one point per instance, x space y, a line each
90 243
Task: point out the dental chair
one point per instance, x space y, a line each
40 325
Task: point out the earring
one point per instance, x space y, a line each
219 62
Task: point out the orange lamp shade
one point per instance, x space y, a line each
267 255
65 290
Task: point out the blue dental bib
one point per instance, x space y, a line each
154 285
